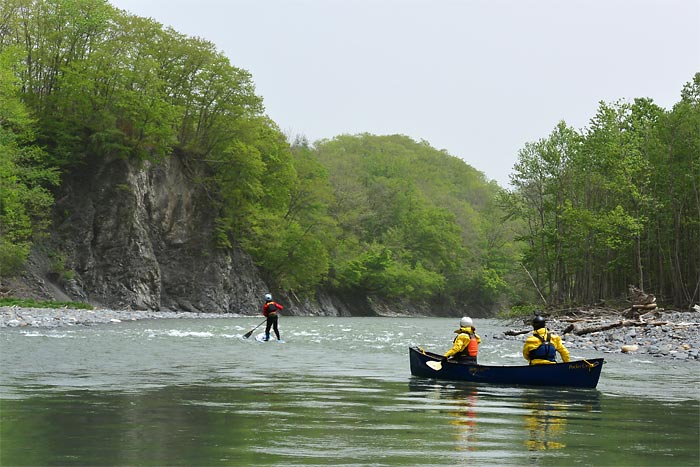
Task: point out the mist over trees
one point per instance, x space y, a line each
589 212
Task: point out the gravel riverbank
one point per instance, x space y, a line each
13 316
672 334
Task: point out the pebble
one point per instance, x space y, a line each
14 316
677 340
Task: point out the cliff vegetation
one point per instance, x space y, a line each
139 170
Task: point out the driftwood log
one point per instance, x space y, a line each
587 325
638 297
636 310
641 302
580 331
604 327
516 333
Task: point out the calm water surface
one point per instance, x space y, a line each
338 392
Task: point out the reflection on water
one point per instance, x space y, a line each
465 420
338 393
545 424
483 419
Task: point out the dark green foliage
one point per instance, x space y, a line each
616 204
25 177
414 222
384 216
377 215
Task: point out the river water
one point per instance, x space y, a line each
194 392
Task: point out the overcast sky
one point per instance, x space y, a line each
477 78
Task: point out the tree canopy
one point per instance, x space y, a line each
617 203
413 222
382 216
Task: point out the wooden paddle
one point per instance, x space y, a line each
247 334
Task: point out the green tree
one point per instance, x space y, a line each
413 222
541 179
24 178
612 206
673 245
292 235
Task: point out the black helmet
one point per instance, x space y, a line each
537 322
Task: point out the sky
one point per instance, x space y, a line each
476 78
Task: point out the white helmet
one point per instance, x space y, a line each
465 322
268 297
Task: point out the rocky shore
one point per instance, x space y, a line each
666 334
663 334
13 316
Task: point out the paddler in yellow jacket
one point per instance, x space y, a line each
542 346
465 346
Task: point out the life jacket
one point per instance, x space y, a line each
546 351
472 348
271 308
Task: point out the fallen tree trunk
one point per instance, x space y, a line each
516 333
636 310
604 327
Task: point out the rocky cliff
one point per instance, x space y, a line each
140 237
127 236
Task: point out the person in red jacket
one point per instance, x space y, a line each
270 311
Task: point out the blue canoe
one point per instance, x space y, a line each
577 374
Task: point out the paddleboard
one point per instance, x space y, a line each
261 338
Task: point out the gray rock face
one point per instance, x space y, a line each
141 238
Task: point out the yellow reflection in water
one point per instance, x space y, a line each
545 423
464 419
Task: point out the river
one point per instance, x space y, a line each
338 391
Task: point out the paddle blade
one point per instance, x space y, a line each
437 366
248 334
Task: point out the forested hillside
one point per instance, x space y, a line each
380 217
415 222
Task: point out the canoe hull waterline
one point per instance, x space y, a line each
577 374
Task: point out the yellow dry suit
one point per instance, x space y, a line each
465 346
541 348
